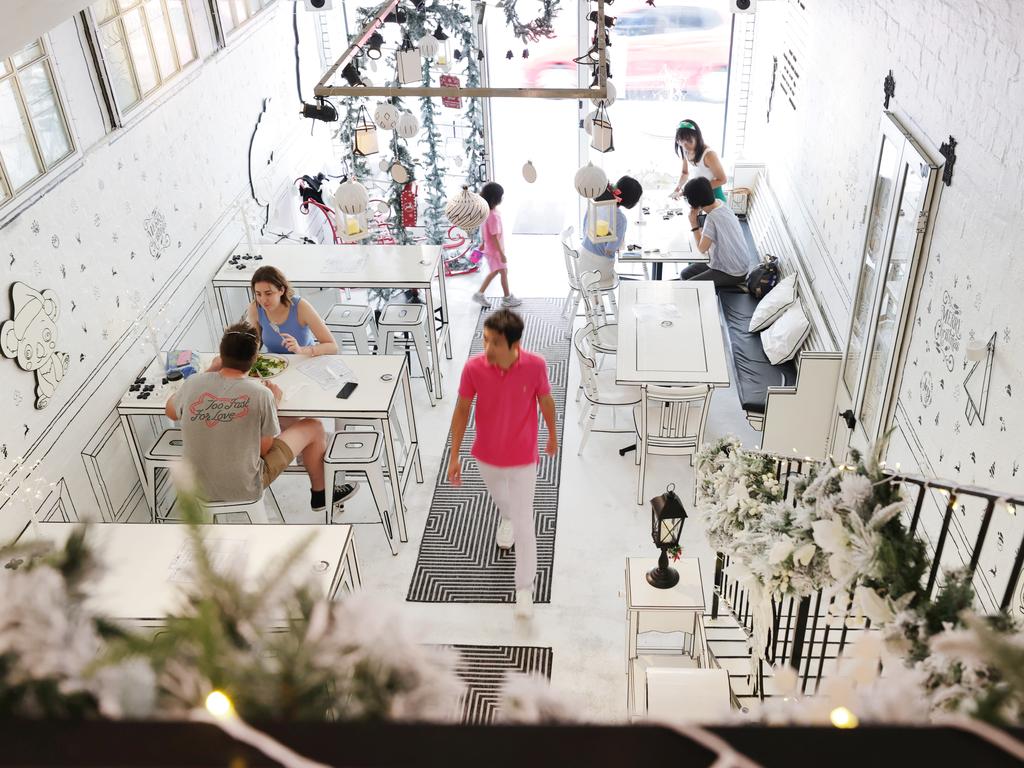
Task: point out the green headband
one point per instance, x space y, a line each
688 124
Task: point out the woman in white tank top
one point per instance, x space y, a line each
699 162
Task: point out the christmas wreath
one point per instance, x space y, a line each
533 30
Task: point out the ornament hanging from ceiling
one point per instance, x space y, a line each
408 126
602 132
443 55
365 135
384 164
409 206
409 63
467 210
386 116
399 173
588 122
591 181
429 46
450 81
529 172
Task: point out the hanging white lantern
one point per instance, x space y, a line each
386 116
591 181
601 221
407 126
429 46
365 135
467 210
399 173
350 204
409 63
607 100
384 164
602 132
443 55
529 172
351 197
588 123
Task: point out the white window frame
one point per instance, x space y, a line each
218 7
8 194
143 96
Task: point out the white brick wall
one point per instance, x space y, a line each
957 65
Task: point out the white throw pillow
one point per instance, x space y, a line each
779 299
783 338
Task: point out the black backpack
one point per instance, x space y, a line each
763 277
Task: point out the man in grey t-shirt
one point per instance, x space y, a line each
233 441
721 238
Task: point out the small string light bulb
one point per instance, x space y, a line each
842 717
219 705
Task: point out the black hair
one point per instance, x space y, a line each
239 346
630 192
698 192
492 192
507 323
690 130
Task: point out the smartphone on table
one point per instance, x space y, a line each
347 390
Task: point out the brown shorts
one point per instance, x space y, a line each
276 460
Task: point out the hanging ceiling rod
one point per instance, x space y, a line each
323 89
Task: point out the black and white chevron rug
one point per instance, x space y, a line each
458 561
483 668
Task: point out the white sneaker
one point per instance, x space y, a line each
480 299
505 537
511 301
524 604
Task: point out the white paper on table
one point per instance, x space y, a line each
328 372
349 262
226 555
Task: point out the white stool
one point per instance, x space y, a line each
358 453
352 320
688 695
221 510
167 451
407 318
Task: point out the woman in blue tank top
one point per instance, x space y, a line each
288 324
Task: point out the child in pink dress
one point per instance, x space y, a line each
494 247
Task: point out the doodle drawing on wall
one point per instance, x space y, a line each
30 337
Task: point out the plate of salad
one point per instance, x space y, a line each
268 366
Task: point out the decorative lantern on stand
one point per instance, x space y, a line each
667 517
409 62
365 135
350 203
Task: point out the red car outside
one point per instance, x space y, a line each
673 51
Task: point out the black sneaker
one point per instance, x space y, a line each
318 499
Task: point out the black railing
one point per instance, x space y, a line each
810 631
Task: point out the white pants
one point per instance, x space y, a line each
512 490
595 261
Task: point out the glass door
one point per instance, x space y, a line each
905 180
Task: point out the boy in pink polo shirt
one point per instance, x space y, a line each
509 384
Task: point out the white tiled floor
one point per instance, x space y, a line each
599 523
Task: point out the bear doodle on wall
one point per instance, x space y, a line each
30 337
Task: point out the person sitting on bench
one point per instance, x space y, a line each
721 235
